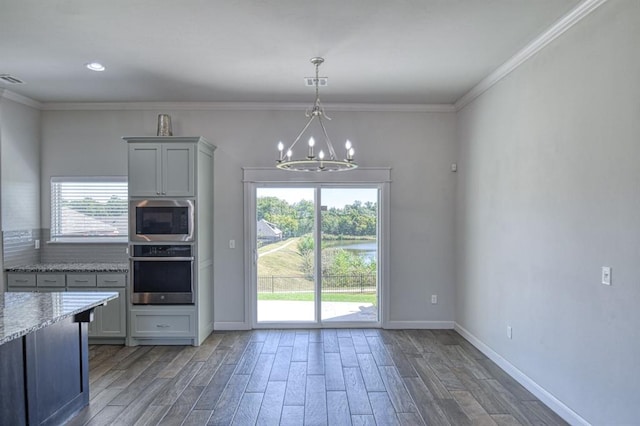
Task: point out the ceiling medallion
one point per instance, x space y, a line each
324 161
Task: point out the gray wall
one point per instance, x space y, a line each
19 176
548 193
20 165
419 147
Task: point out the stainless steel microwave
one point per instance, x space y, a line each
161 220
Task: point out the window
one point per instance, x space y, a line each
89 209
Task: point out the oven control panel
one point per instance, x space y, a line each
161 250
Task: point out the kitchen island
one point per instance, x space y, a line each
44 364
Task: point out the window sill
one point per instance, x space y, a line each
92 240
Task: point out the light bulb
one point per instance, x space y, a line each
321 155
351 152
289 154
347 145
312 142
280 149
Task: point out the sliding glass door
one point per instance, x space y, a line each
349 253
285 267
317 252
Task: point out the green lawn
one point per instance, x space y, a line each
328 297
285 261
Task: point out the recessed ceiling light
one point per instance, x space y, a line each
95 66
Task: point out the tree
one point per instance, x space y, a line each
305 250
272 206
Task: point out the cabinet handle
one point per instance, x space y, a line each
22 281
157 192
110 281
81 281
163 325
50 281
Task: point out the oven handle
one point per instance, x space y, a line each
163 259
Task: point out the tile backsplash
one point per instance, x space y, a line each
19 249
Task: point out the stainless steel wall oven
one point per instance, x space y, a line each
162 274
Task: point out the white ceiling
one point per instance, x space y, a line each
376 51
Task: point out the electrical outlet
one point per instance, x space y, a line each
232 244
434 299
509 332
36 244
606 275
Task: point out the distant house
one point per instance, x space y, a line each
267 231
73 222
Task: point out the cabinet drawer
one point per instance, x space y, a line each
21 280
111 280
81 280
50 280
145 324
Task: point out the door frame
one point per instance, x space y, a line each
270 177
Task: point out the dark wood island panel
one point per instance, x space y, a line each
44 361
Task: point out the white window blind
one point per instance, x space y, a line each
89 208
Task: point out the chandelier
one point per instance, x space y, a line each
324 161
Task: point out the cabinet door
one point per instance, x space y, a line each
178 169
145 168
111 319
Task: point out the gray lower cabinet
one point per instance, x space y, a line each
153 322
109 321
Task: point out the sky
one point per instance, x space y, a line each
331 197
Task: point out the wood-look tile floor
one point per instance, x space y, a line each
307 377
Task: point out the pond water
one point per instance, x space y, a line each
368 249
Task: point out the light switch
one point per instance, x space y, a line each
606 275
232 244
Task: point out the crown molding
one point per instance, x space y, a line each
239 106
13 96
556 30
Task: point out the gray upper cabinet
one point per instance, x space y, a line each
158 169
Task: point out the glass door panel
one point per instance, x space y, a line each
286 290
349 255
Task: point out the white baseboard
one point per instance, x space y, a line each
542 394
414 325
231 326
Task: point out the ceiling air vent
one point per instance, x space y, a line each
311 81
10 79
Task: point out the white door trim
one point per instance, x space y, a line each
254 177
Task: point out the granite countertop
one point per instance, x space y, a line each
71 267
24 313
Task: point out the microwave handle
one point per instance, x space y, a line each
161 259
